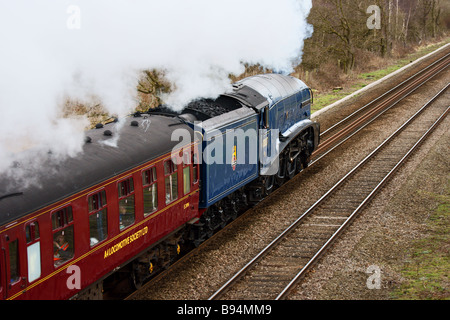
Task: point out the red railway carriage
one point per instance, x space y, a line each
118 205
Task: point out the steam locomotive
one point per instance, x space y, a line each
149 186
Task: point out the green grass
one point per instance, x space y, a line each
427 270
400 63
322 100
379 74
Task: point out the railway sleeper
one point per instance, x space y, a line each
272 278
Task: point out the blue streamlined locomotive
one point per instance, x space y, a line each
253 139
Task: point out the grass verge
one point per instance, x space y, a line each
359 81
427 270
426 267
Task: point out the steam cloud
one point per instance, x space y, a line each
53 48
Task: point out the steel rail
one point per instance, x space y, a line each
384 95
316 158
363 204
299 220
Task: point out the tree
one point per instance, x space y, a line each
333 20
152 84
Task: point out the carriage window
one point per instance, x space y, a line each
195 164
98 218
34 261
150 191
32 231
171 181
126 203
187 180
14 261
33 251
63 243
97 201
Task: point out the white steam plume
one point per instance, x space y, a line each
53 48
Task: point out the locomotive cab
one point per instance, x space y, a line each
284 121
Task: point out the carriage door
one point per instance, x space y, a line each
15 281
33 251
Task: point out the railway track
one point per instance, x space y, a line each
350 125
333 137
276 270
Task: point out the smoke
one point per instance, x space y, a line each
51 49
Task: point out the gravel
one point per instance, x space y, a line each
379 237
383 235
